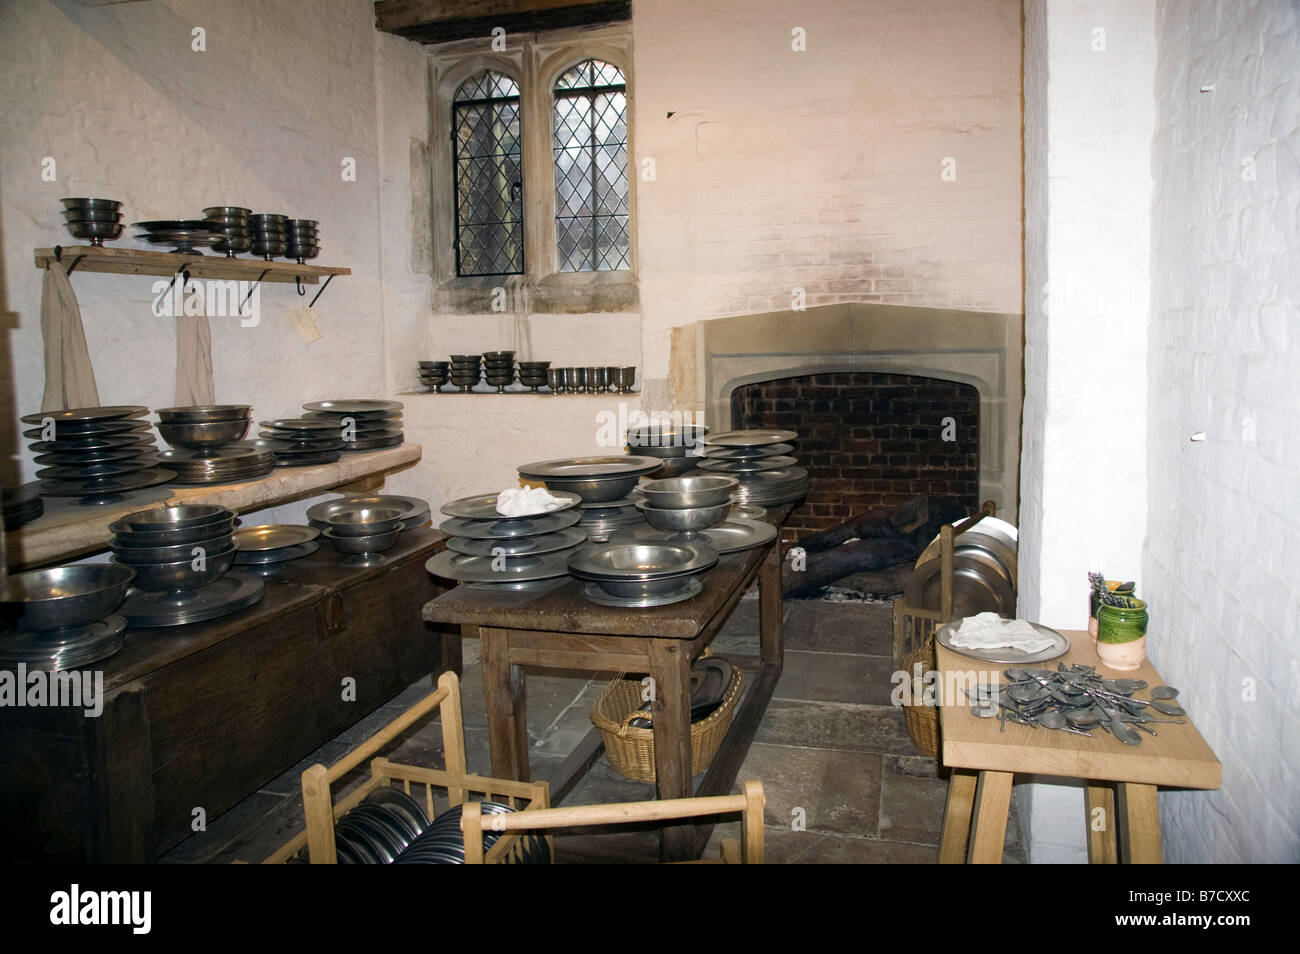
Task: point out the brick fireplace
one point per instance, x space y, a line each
969 360
869 440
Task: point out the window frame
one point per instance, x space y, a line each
455 169
535 63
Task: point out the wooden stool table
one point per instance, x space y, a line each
1120 810
559 628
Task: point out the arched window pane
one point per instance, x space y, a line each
489 176
591 182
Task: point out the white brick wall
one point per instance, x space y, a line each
1219 566
821 169
1089 112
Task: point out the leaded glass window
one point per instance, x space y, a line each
591 185
489 177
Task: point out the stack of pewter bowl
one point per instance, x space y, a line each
363 424
303 242
434 374
208 447
760 460
93 220
696 509
181 556
672 443
638 574
499 369
466 371
230 224
95 453
364 532
63 617
270 234
518 552
533 374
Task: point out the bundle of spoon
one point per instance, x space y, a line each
1074 699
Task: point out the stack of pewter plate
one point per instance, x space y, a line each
300 441
21 507
362 425
95 453
637 574
760 460
207 444
604 485
265 549
672 443
489 549
63 616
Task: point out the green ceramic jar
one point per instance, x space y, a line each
1120 624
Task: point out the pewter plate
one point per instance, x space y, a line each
473 569
750 438
738 533
372 443
584 468
508 528
1007 654
692 587
757 465
519 546
299 424
748 453
640 560
273 536
232 592
411 507
83 415
355 407
64 649
268 558
484 507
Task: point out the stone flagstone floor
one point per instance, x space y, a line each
830 750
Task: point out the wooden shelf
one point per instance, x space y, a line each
67 530
134 261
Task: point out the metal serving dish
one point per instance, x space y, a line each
134 556
146 539
364 522
370 543
172 518
685 520
414 510
65 596
678 493
640 561
181 574
977 587
594 479
204 413
203 436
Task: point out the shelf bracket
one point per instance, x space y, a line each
328 279
252 289
183 270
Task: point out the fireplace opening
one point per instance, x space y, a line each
869 440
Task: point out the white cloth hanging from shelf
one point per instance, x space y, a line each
69 375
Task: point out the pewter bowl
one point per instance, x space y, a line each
134 556
370 543
364 521
172 518
594 479
679 493
640 561
204 436
133 540
65 596
687 520
204 413
181 574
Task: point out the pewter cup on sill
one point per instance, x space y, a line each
555 379
578 380
624 378
593 380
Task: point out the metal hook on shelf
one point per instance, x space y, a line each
58 257
297 280
179 272
328 279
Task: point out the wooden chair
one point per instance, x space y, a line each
321 811
749 804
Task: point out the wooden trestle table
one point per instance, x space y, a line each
1120 781
559 628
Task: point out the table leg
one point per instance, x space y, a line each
1139 815
1101 821
989 826
506 695
956 817
671 669
770 610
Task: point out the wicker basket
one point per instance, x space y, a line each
631 750
914 630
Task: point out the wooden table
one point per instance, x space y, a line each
559 628
1121 814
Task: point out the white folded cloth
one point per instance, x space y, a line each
526 501
991 631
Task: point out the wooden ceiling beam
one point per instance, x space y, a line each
439 21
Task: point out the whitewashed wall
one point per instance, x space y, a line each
1089 112
1219 564
119 98
821 169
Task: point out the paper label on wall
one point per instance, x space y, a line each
303 319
